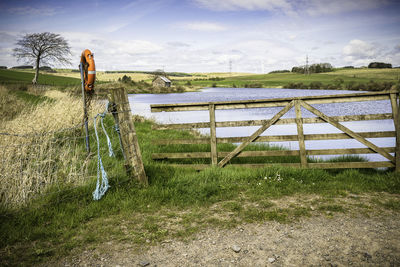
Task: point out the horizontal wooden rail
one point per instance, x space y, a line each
366 117
339 165
273 102
274 138
270 153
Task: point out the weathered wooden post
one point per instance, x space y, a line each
300 134
396 111
130 144
213 136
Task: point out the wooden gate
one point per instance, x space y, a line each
220 159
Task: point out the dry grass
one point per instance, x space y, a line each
103 76
45 148
112 77
10 105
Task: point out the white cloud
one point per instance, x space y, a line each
45 11
243 4
359 51
322 7
312 7
110 52
203 26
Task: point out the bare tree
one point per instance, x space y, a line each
40 48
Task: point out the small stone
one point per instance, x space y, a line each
144 263
271 260
367 256
236 248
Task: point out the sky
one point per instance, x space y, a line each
256 36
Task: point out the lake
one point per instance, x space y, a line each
140 105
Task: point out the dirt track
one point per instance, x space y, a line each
340 240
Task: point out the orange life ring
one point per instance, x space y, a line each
89 69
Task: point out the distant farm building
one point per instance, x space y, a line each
161 81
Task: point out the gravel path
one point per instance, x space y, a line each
340 240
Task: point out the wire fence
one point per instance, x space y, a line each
50 161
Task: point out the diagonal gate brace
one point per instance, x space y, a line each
256 134
348 131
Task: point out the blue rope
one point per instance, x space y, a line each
101 188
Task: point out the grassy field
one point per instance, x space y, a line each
113 77
19 77
103 76
177 203
353 79
278 80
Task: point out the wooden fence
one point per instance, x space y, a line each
220 159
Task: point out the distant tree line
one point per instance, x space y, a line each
379 65
314 68
279 71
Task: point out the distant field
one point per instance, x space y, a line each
103 76
220 79
282 79
110 77
386 74
12 76
208 75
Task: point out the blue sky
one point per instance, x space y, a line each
204 35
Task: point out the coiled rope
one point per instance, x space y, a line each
101 187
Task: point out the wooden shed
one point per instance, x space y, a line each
161 81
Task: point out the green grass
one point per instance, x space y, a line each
19 77
342 76
338 79
67 218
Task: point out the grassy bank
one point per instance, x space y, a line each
64 219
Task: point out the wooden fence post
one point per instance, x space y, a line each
395 111
300 134
213 136
131 149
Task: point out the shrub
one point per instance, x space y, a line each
279 71
379 65
217 79
315 85
125 79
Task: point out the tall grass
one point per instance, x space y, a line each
41 147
